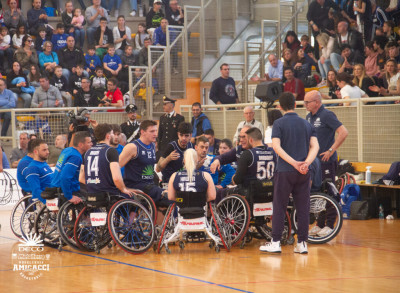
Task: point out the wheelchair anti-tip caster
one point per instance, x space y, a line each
110 245
217 249
211 244
181 245
60 248
167 250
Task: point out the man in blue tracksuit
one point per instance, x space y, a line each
38 174
66 174
22 166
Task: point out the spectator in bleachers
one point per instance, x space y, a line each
78 21
5 49
379 16
46 96
379 44
248 113
86 97
111 4
390 82
331 83
17 39
26 55
13 16
34 76
112 63
324 63
75 80
303 64
143 54
293 84
103 37
348 90
349 60
305 44
99 82
37 17
393 10
66 17
19 152
392 51
70 57
288 58
154 17
122 36
223 89
17 72
92 61
363 81
371 65
275 70
60 82
388 29
133 12
160 33
362 14
127 59
40 39
174 13
272 115
48 60
113 97
93 15
200 122
291 42
8 100
59 39
213 149
347 37
141 35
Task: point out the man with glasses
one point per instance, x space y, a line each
249 116
113 97
86 96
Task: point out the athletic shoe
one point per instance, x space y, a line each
133 13
325 231
301 247
314 231
273 246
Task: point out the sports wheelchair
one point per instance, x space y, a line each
248 213
108 217
189 214
16 214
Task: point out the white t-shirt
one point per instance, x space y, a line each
17 41
393 82
6 41
268 135
353 92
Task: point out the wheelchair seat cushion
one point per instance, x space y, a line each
192 213
51 193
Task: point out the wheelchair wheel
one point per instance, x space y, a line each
88 237
221 227
147 202
28 218
46 227
167 226
131 226
323 209
66 218
340 183
16 214
265 229
234 210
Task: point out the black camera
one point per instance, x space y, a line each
79 120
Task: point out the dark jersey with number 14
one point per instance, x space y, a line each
256 163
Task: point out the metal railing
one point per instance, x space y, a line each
374 132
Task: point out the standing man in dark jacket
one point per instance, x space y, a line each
200 122
223 89
169 122
69 57
131 127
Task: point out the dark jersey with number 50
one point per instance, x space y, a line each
97 169
256 163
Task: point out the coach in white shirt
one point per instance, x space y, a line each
249 116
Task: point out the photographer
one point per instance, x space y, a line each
81 122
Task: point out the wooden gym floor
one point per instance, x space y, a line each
365 257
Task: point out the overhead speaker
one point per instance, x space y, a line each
269 91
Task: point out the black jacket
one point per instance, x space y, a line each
80 101
108 37
354 40
168 130
70 58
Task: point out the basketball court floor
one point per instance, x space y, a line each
365 257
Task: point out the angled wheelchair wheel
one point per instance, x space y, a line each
221 227
340 183
131 226
325 211
147 202
66 218
46 227
16 214
87 236
234 210
28 218
167 227
265 229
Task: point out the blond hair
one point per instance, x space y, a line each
190 162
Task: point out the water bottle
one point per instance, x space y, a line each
368 175
140 10
356 6
381 214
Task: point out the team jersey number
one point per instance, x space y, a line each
187 186
92 166
265 170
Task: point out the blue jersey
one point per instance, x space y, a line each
59 41
225 175
119 149
66 174
22 166
174 165
97 169
198 183
206 168
112 61
39 176
140 169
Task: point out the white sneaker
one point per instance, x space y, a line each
273 246
133 13
325 231
314 231
116 12
301 247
